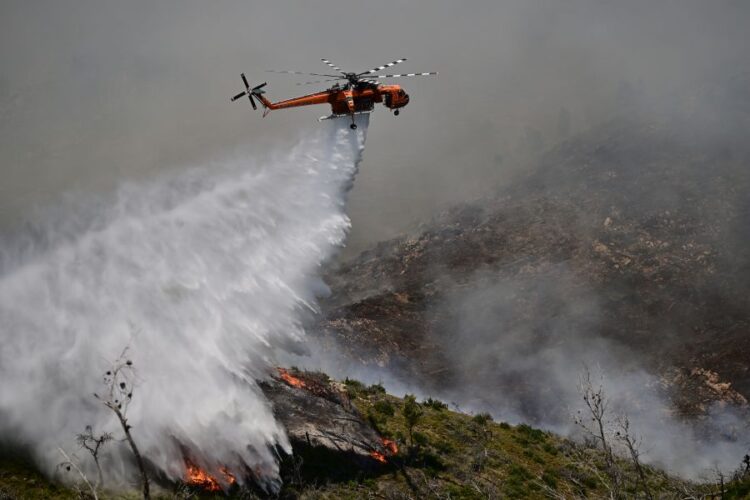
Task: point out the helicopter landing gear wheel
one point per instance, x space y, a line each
353 126
396 112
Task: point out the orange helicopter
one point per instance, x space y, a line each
350 95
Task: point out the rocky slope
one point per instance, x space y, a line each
626 245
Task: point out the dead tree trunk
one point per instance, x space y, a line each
120 385
597 405
136 453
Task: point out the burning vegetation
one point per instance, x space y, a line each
379 457
391 449
318 384
199 478
328 404
290 379
321 416
390 445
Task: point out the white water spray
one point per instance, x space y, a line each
203 275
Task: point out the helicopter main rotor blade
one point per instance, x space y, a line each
329 63
241 94
402 75
252 101
247 85
380 68
321 81
299 73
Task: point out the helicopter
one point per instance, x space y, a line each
350 94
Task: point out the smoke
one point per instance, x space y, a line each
519 346
205 276
94 91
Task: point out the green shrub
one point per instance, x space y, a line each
739 489
376 389
435 404
353 387
482 418
384 407
412 414
550 479
445 447
533 456
515 484
420 439
532 434
519 471
550 448
430 462
376 419
522 441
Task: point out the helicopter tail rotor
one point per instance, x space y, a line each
256 91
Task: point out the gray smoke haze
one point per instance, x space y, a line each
92 92
520 346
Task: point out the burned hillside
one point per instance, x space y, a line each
625 246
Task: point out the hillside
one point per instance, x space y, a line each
447 454
625 246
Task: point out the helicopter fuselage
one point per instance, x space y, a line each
348 99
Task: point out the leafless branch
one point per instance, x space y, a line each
93 444
632 444
69 464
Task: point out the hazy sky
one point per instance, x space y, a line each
96 91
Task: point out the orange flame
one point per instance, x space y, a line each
228 476
202 479
391 448
390 445
291 379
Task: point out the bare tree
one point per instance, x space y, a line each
119 383
632 444
585 461
93 444
596 423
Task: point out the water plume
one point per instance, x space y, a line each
205 275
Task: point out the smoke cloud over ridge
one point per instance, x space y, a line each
205 276
521 346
